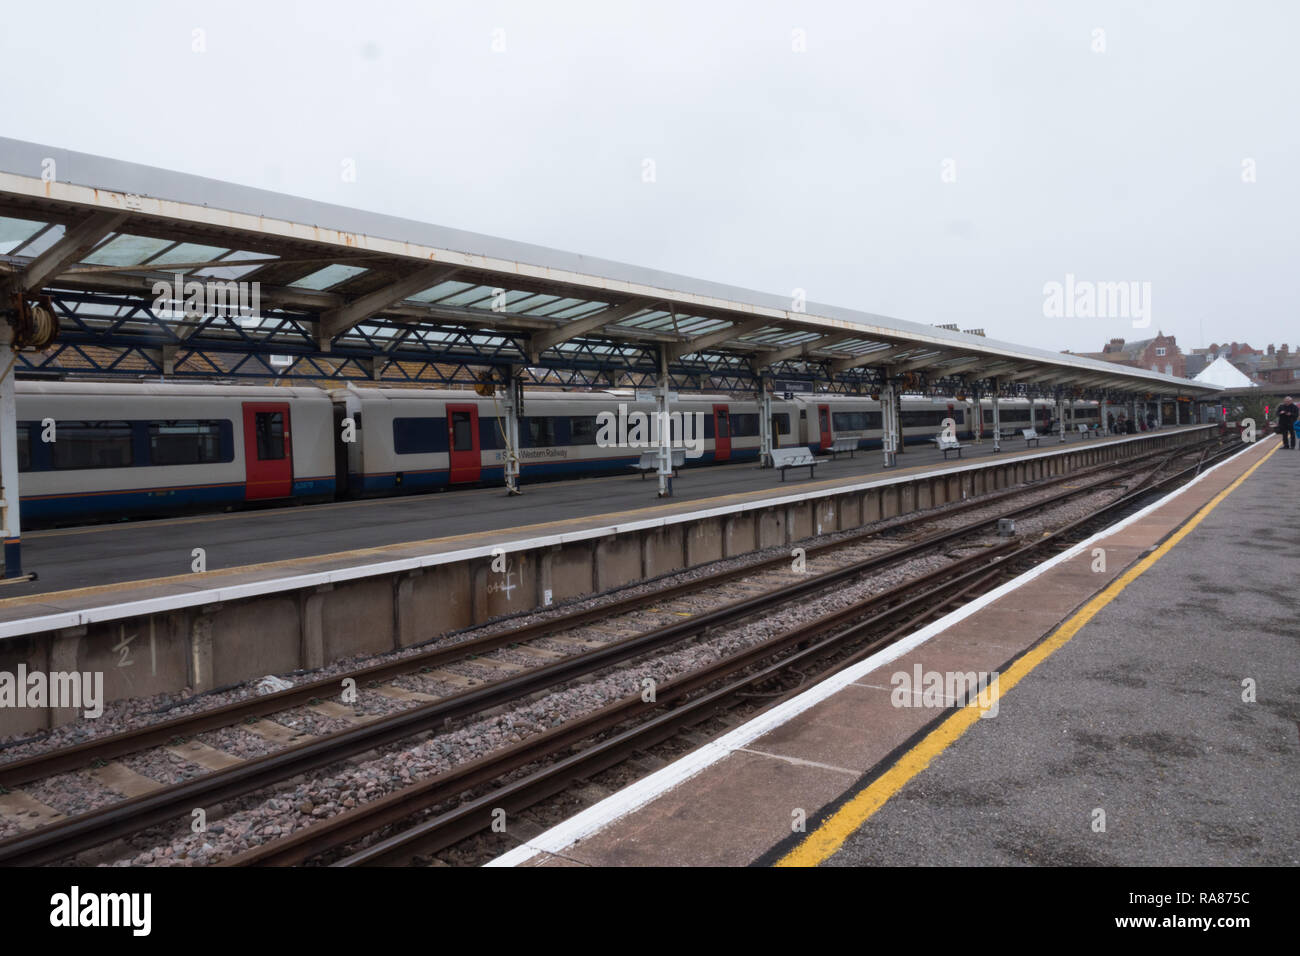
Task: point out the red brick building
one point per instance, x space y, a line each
1159 354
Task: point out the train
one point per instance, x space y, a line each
95 451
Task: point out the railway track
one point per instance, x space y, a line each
74 834
823 647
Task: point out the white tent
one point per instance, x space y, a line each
1224 374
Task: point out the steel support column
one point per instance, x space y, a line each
888 425
764 422
665 428
514 408
9 494
997 419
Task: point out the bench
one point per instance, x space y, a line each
842 445
1030 436
1084 430
650 461
946 445
784 458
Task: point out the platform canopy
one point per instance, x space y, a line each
294 289
1224 374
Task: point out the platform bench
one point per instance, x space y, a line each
1030 436
946 445
842 445
649 462
784 458
1085 431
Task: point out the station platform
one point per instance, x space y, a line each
1146 714
316 537
293 589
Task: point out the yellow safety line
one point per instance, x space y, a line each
819 845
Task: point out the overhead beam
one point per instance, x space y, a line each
77 240
958 367
925 361
717 337
338 320
803 348
541 341
878 357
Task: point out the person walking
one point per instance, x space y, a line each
1287 416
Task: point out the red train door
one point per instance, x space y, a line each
721 433
824 425
268 453
462 443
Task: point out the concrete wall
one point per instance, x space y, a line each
211 646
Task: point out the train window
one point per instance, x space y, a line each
781 423
186 443
540 432
24 446
269 428
1007 415
824 420
723 425
91 445
582 431
462 435
490 433
920 419
419 436
744 424
855 421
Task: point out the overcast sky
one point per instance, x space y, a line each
939 162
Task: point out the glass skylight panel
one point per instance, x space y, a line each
553 306
440 291
42 242
481 294
14 232
232 271
328 277
190 252
523 301
583 308
650 320
126 250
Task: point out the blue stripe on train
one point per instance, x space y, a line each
532 470
133 502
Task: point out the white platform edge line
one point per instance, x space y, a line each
112 612
636 795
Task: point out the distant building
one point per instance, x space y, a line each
1160 354
1275 365
1239 354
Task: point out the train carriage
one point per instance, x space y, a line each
94 450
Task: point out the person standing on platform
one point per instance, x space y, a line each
1287 416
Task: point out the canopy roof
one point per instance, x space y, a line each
352 294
